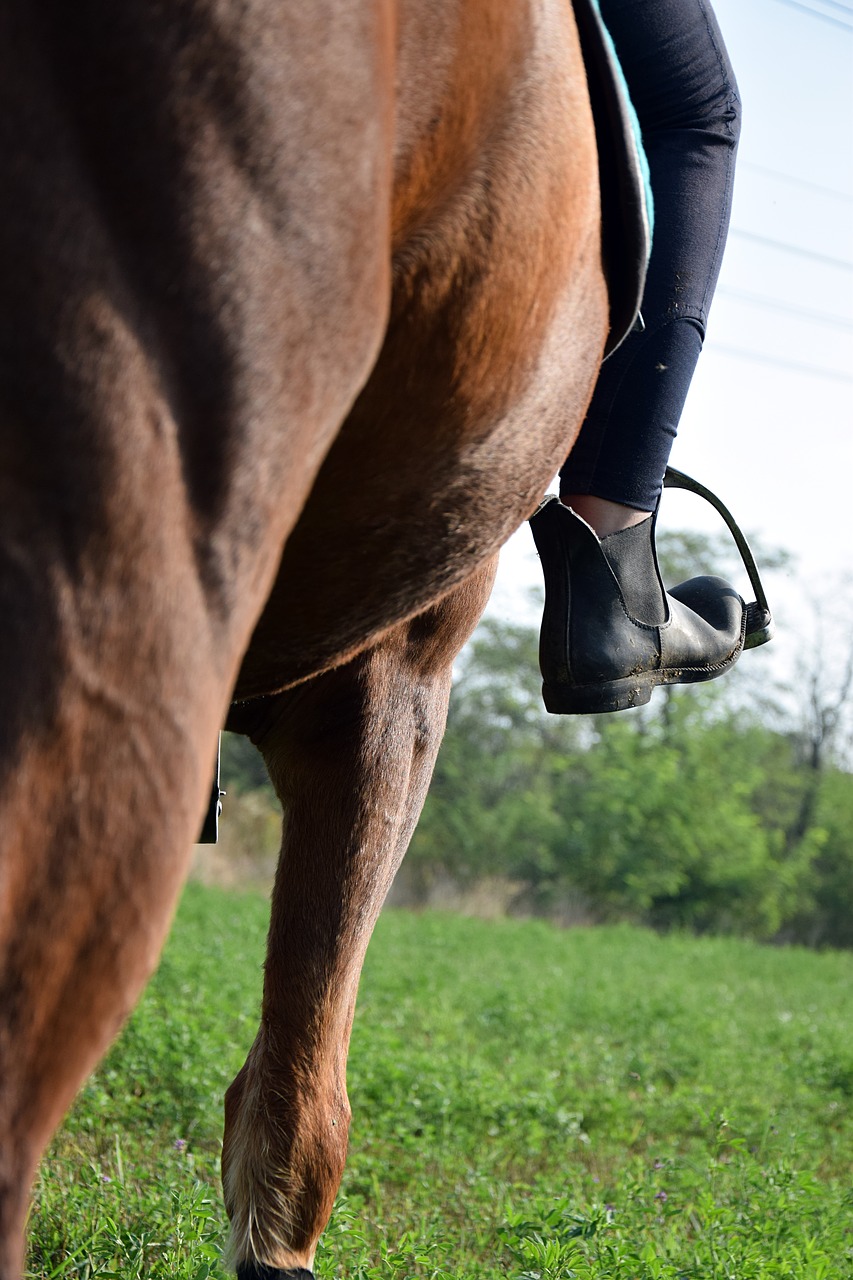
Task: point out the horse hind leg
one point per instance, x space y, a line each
351 754
104 768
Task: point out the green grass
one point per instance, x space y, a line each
527 1103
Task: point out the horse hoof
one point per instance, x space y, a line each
257 1271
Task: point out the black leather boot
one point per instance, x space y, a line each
611 633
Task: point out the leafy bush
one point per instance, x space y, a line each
690 814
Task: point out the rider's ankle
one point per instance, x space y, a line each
603 516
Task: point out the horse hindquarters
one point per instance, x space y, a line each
351 754
497 324
188 311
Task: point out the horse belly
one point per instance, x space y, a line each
498 320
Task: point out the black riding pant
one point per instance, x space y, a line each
685 95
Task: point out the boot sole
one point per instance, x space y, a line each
620 695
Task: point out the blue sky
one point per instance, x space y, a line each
769 420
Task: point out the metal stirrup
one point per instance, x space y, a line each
759 620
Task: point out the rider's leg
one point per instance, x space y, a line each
686 98
611 632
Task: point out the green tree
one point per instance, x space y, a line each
663 824
489 810
688 813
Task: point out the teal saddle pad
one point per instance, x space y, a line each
627 207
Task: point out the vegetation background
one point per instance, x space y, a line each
725 808
529 1102
638 1100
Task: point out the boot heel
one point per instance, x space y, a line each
590 700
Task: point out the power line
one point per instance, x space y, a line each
792 248
815 13
798 182
836 4
772 304
757 357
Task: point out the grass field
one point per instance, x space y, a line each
527 1103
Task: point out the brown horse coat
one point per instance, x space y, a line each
302 307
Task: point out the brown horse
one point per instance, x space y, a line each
303 304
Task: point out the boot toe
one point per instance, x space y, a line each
706 630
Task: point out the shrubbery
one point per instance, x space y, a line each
689 814
703 811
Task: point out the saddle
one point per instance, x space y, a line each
626 194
